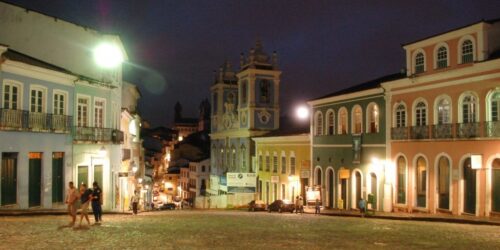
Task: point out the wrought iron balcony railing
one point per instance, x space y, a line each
492 129
23 120
442 131
400 133
468 130
419 132
94 134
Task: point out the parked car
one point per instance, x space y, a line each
256 205
168 206
281 206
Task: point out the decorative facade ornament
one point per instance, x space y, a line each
264 116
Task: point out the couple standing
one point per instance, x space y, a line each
86 196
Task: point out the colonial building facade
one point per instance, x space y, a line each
444 119
348 145
244 104
283 163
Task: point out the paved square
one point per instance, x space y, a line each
241 230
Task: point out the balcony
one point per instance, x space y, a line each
442 131
94 134
400 133
419 132
23 120
468 130
492 129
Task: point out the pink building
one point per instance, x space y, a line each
445 136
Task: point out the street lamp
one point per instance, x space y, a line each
302 112
108 55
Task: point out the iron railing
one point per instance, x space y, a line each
468 130
23 120
400 133
492 129
442 131
95 134
419 132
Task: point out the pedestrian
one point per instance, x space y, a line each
97 202
301 204
362 206
317 207
85 197
297 204
135 201
71 199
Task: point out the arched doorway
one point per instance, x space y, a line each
317 175
421 182
330 183
357 180
373 188
443 183
495 186
469 187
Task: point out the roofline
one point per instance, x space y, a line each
451 30
295 137
347 96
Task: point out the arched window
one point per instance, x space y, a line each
330 122
419 63
469 109
442 57
467 51
495 106
342 121
357 120
400 116
373 118
203 168
443 111
401 180
444 182
319 124
292 163
421 182
420 114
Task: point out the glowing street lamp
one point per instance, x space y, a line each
108 55
302 112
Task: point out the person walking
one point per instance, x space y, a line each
135 201
301 204
97 202
71 199
297 204
362 206
317 207
85 197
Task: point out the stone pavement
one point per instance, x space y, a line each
411 216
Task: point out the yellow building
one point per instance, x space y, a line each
283 166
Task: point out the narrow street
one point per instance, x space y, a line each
221 229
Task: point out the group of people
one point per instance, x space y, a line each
86 196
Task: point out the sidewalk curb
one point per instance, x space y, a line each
409 218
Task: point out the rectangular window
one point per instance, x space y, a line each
10 96
59 104
292 165
283 191
494 111
283 164
99 113
82 112
36 101
260 163
267 163
275 164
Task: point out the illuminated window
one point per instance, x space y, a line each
330 122
373 118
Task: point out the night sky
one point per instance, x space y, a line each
323 46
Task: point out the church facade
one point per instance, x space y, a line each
245 104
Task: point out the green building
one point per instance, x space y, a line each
348 131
